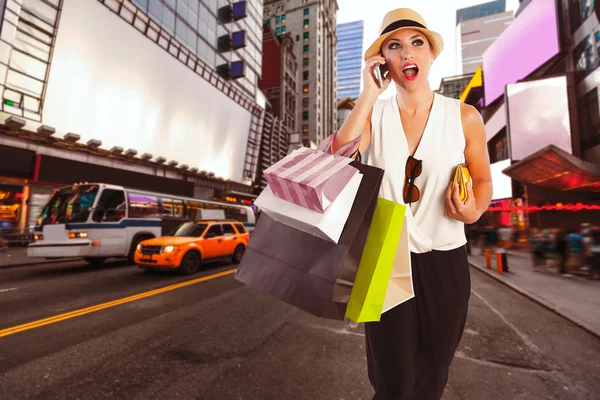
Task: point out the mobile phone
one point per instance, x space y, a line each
380 72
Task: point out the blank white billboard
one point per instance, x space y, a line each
501 183
109 82
538 116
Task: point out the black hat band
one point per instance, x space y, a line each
402 23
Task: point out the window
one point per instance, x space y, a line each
214 231
278 31
111 206
306 21
283 29
305 115
283 18
173 208
305 36
269 21
277 20
142 205
305 89
240 228
305 62
306 49
589 119
228 229
305 75
306 11
305 102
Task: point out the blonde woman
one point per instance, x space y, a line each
418 138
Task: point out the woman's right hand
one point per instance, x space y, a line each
370 82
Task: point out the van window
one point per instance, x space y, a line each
214 231
111 206
172 208
228 229
240 228
142 205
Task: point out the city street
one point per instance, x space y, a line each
214 338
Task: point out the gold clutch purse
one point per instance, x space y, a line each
461 177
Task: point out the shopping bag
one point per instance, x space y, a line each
309 178
327 225
306 271
384 277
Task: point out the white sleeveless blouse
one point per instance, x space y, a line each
441 149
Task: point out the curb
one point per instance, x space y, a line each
544 303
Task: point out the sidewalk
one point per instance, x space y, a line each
14 256
575 298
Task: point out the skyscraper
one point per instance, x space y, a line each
480 10
312 24
477 29
349 57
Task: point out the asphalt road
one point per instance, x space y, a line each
217 339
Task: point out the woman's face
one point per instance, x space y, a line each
409 57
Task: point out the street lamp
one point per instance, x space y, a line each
72 137
116 151
146 156
160 160
94 143
46 130
131 153
14 122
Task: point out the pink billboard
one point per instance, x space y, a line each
528 43
538 116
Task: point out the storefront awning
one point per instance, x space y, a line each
474 86
556 169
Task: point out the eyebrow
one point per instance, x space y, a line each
411 38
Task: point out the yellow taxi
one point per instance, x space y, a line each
191 244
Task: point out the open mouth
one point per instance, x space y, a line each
410 71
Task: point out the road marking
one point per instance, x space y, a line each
88 310
8 290
520 334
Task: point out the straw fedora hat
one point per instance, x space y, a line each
404 18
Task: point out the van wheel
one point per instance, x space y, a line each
238 254
190 263
134 245
95 260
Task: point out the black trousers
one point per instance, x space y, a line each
410 350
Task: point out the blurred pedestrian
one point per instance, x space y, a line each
562 251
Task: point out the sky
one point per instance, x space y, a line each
440 16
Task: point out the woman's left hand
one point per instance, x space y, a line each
465 212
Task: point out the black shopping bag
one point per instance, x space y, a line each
305 271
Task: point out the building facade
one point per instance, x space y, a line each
312 25
480 10
349 58
453 86
158 95
542 116
280 77
475 35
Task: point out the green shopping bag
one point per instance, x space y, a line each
380 254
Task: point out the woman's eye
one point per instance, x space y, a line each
393 46
418 42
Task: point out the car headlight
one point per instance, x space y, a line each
169 249
139 247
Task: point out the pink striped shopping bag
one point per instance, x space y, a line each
310 178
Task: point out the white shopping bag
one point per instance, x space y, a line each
400 287
327 225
